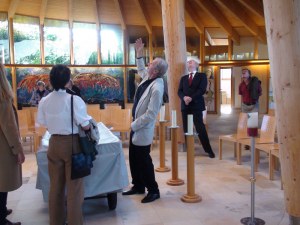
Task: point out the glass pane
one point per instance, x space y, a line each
56 38
85 43
111 44
27 40
4 39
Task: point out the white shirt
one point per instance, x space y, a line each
54 112
193 73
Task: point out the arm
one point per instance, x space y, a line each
139 48
80 114
10 128
180 89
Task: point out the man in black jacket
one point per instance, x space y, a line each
191 89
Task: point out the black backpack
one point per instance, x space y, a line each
253 87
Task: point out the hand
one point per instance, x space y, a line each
187 100
20 157
139 47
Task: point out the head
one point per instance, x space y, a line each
192 64
69 84
157 68
41 85
246 74
59 76
5 88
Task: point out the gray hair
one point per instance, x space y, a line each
40 83
5 88
161 67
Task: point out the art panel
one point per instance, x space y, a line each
209 96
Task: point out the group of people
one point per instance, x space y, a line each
147 102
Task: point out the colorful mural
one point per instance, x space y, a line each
99 85
26 82
209 96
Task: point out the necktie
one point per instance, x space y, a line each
190 79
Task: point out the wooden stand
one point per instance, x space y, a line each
190 197
162 167
174 181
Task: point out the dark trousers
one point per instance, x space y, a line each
3 202
200 127
141 167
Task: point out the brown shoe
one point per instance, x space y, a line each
11 223
8 212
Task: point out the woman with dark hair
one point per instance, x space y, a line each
54 112
11 150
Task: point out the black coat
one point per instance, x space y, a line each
195 91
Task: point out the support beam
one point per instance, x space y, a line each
96 7
70 11
143 11
120 13
283 33
230 48
202 49
241 14
193 14
256 6
12 8
217 14
11 41
175 49
43 11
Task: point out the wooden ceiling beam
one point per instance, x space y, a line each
217 14
96 7
120 13
12 8
192 13
241 14
142 9
158 4
256 6
43 11
70 11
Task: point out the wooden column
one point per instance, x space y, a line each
42 46
175 49
283 34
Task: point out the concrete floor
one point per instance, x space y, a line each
223 186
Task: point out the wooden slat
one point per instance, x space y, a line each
143 11
43 11
120 13
191 12
256 6
217 14
241 14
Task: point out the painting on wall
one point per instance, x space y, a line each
271 96
26 82
209 96
99 85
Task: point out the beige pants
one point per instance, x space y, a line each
59 165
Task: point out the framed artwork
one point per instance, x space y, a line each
210 96
26 82
271 96
99 85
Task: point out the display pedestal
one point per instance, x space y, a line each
162 139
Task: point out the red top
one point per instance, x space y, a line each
244 92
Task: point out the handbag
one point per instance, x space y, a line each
80 163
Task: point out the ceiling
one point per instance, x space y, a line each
217 19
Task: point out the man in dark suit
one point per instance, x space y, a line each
191 89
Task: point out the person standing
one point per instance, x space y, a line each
191 89
250 90
11 150
54 112
147 102
39 93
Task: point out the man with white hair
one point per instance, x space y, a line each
191 89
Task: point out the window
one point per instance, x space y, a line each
85 43
56 38
4 39
111 44
27 40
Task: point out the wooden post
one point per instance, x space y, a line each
162 138
175 51
174 181
283 34
190 197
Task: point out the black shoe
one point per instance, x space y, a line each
150 197
133 191
211 155
8 212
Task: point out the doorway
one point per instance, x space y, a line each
226 90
